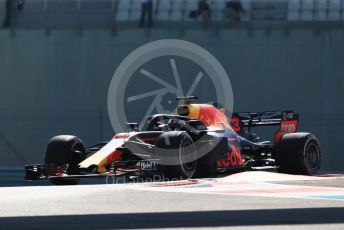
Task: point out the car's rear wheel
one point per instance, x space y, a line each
65 152
298 153
179 148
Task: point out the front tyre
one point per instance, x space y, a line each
180 148
298 153
65 150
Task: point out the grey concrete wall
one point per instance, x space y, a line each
58 84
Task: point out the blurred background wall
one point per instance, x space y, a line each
54 80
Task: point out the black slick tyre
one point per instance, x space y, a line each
65 150
179 148
298 153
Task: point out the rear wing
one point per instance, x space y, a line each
287 121
269 118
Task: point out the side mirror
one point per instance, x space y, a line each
219 131
133 127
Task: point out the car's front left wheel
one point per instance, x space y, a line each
65 152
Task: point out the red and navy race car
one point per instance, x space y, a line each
196 141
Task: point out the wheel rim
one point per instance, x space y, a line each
313 156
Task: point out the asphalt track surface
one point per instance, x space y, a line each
250 200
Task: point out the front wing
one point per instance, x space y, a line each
45 172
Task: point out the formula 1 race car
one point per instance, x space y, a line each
196 141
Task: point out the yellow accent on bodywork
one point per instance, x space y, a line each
100 158
194 110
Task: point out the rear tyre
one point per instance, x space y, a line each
65 150
298 153
181 150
